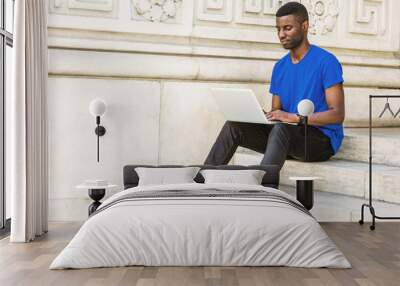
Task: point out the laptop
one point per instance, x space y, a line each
239 105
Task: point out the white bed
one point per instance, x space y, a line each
206 230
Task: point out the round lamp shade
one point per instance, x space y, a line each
305 107
97 107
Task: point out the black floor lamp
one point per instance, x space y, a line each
304 185
305 108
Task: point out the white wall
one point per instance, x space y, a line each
155 71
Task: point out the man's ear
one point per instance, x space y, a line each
305 25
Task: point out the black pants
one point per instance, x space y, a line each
277 142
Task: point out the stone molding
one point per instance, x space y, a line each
180 46
103 5
93 8
368 17
130 65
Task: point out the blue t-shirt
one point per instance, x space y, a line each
308 79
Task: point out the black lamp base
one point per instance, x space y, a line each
305 193
100 130
96 195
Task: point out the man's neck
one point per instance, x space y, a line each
298 53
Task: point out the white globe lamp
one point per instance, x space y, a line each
305 107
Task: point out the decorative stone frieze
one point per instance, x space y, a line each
96 8
348 24
368 17
156 10
323 15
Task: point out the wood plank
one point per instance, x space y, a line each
375 257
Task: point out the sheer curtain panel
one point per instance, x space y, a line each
26 122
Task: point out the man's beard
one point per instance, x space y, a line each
296 42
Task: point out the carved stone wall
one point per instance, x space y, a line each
353 24
362 33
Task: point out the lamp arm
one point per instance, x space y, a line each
98 136
304 122
305 138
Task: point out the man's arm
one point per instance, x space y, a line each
335 113
276 103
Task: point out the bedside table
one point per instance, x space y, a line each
305 190
96 193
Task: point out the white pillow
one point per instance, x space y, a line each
164 176
248 177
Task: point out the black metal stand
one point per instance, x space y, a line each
304 188
369 205
96 195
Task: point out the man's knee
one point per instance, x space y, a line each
231 126
280 131
280 128
233 129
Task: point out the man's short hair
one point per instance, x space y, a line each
293 8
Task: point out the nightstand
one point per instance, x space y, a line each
305 191
96 192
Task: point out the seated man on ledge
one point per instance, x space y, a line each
306 72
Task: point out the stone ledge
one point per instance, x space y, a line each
386 143
84 63
329 207
338 176
355 147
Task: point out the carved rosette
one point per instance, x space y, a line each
156 10
323 15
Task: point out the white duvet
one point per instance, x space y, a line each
200 231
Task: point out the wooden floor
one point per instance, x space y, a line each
375 257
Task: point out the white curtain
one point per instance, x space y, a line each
26 123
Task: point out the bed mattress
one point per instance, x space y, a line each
201 225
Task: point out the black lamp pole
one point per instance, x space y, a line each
305 138
304 121
304 187
97 132
100 131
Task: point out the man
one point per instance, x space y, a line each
306 72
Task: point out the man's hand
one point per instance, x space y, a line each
280 115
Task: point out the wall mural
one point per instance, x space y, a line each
346 20
367 17
323 13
